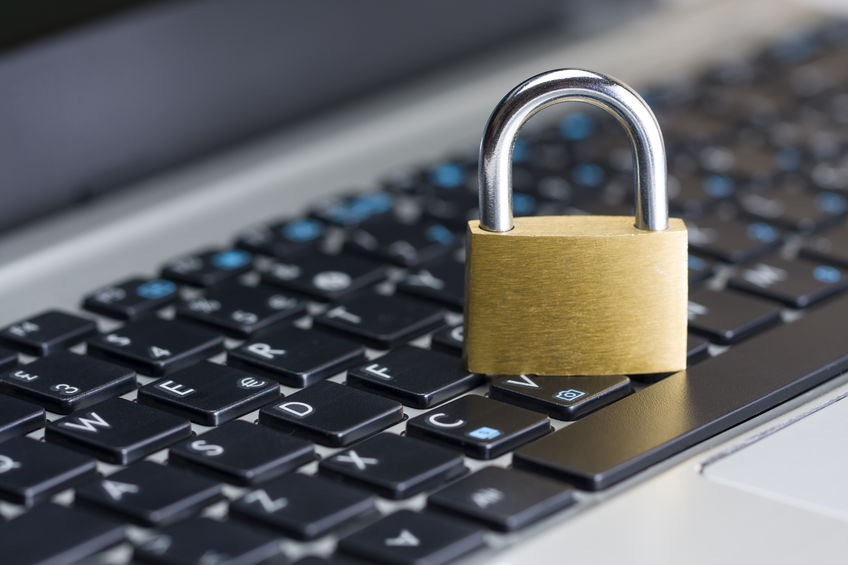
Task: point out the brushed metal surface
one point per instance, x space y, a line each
576 295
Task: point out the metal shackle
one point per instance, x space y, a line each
553 87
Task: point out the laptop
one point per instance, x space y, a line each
231 285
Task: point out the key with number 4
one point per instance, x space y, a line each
156 347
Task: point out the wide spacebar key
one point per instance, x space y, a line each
676 413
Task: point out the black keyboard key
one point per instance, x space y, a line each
729 317
132 298
700 269
442 281
64 382
799 210
798 283
332 414
296 357
381 321
150 494
303 506
242 453
156 347
334 560
353 210
414 376
323 276
448 339
118 431
831 246
563 398
733 241
47 332
32 471
394 466
688 407
241 311
411 538
206 541
209 393
18 417
407 245
208 267
478 426
503 499
8 358
53 534
283 238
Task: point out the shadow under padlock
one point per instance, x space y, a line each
575 295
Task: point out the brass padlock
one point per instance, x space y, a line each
575 295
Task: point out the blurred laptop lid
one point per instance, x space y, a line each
97 95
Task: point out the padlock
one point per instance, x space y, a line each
575 295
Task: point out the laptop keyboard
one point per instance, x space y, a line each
305 385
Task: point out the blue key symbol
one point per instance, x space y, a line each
570 395
588 174
448 175
718 186
827 274
232 259
303 230
157 288
439 234
523 204
576 126
520 151
696 263
484 433
762 232
833 204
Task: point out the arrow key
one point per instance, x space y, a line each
407 537
150 494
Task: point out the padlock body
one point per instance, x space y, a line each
576 295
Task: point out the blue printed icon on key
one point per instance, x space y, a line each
303 230
440 234
762 232
484 433
155 289
570 395
827 274
231 259
448 175
834 204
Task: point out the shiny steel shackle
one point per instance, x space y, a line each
553 87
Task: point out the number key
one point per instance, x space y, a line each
208 267
47 332
156 347
241 311
132 298
64 382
